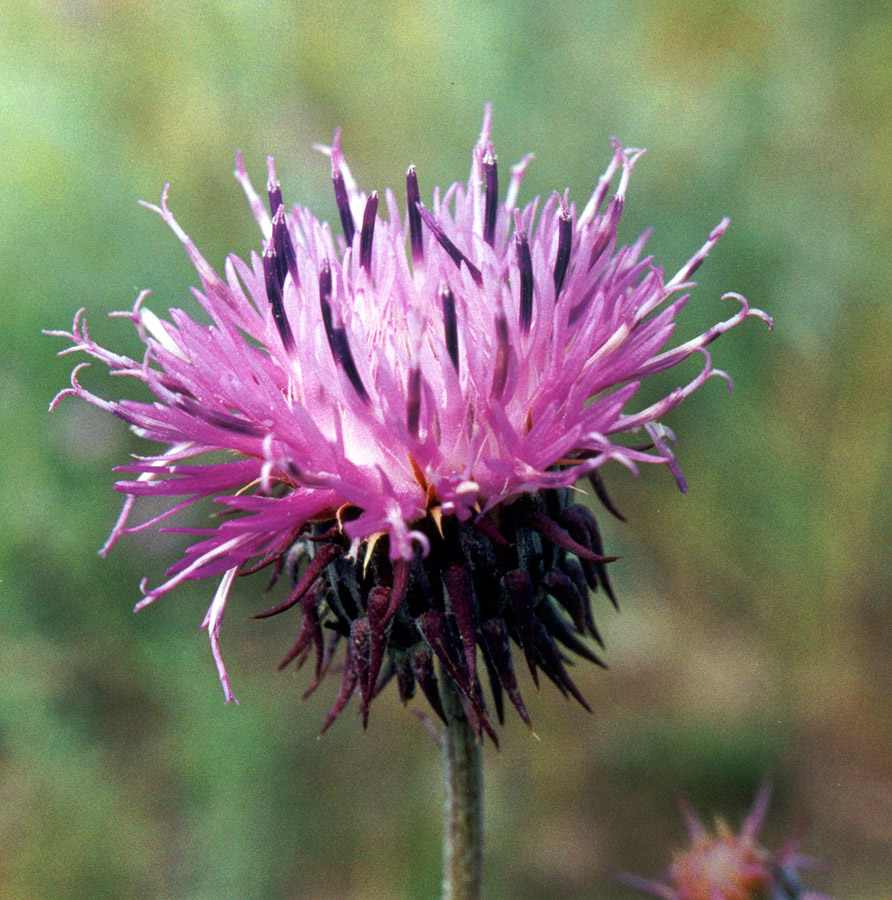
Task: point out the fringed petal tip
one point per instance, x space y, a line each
211 281
749 310
239 172
135 313
76 390
70 335
148 596
213 621
721 373
329 150
65 392
628 155
486 126
161 210
119 527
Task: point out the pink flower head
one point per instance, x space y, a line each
728 866
377 403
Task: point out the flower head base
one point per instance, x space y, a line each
405 426
728 866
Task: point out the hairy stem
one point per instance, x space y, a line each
463 780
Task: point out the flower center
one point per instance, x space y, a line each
722 866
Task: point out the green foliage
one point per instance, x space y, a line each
756 624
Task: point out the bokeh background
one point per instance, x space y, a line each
756 628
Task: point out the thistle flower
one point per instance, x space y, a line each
404 428
728 866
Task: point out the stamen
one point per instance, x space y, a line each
413 404
500 374
325 299
286 259
565 242
694 263
413 198
230 422
273 189
492 196
517 173
368 231
447 301
350 370
525 264
274 295
454 253
254 201
343 201
337 337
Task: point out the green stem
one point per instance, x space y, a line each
463 780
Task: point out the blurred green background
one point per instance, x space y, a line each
756 624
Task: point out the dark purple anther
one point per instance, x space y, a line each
500 375
491 207
607 229
325 294
274 295
447 301
598 245
454 253
325 306
346 360
413 403
565 242
368 231
525 264
286 260
337 337
340 189
413 198
274 190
